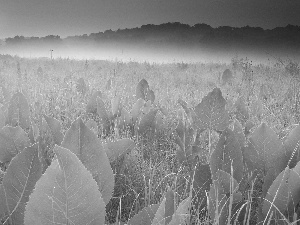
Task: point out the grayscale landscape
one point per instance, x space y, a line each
138 112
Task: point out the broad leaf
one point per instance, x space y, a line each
182 214
265 150
91 107
124 120
218 200
136 109
33 133
165 210
188 111
115 149
65 194
88 148
12 141
92 125
201 184
169 205
55 129
142 89
227 154
147 121
227 181
18 112
268 181
159 218
286 191
150 96
184 105
18 183
146 108
145 216
81 86
211 113
292 144
239 134
227 77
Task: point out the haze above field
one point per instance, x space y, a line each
124 29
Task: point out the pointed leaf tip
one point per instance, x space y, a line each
211 112
65 194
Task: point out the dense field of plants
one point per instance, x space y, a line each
99 142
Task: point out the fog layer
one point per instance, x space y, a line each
150 52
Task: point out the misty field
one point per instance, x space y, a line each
112 142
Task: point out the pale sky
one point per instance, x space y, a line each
77 17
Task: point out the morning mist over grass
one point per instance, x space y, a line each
165 43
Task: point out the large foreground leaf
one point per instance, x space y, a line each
284 192
18 182
84 143
265 150
65 194
211 113
292 144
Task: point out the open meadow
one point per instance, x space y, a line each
112 142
